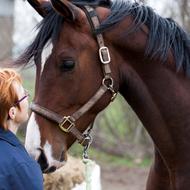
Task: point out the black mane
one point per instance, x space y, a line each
164 33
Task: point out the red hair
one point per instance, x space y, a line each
8 94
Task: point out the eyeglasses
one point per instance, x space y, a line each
24 97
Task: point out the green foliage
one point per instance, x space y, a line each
103 158
29 80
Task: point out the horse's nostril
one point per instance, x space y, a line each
42 160
50 170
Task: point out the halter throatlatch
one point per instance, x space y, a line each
67 123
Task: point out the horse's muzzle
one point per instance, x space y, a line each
44 164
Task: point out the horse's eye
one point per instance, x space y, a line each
67 65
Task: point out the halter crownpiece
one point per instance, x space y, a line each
67 123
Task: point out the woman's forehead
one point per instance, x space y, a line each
18 86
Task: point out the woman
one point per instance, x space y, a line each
17 170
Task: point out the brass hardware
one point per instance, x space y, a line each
66 119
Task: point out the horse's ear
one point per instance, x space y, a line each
42 6
68 10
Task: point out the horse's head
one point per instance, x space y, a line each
73 84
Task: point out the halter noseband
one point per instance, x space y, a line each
67 123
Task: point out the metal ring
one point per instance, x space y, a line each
109 80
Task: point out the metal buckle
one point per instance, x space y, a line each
70 124
104 55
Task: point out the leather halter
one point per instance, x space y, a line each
67 123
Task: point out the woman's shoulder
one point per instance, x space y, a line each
16 160
23 174
14 155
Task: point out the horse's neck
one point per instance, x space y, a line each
138 91
157 94
146 84
154 90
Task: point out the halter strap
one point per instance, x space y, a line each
67 123
103 50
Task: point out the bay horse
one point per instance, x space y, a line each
96 49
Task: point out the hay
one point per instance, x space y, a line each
67 177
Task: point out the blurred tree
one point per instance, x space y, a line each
118 131
6 30
142 1
184 12
177 10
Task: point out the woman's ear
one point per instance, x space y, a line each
12 112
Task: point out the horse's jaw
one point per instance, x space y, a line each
43 155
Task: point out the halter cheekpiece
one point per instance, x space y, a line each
67 123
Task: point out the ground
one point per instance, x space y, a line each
123 178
